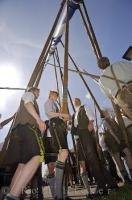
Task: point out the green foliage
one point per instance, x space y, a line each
124 193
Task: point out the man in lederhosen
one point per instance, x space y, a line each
25 147
84 124
116 82
116 143
58 131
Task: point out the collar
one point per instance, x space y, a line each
77 108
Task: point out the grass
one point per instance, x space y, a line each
124 193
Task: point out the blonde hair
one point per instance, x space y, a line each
53 92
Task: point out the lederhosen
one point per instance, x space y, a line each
87 142
58 131
25 140
129 135
50 150
110 141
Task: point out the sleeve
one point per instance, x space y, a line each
48 107
89 113
104 125
105 90
28 97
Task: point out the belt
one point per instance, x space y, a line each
55 118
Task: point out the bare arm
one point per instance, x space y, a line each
30 108
54 114
59 114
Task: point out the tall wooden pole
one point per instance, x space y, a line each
64 108
61 74
56 76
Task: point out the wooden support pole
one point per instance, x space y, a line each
64 108
84 72
56 76
61 74
39 63
92 34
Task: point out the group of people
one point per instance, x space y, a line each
33 140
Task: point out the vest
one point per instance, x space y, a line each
73 128
115 129
24 117
82 119
114 126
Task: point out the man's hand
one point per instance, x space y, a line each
0 126
66 117
41 124
91 126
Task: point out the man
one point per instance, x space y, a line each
58 131
128 125
115 142
84 124
25 145
116 82
108 160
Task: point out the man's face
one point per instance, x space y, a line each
106 114
55 96
36 93
76 102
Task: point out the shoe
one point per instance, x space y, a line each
121 184
102 192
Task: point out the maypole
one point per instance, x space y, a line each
64 108
49 47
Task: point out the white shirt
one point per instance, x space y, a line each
102 143
70 141
28 97
50 106
1 145
88 113
101 137
123 72
48 133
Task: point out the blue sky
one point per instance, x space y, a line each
24 28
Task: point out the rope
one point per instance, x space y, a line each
65 74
